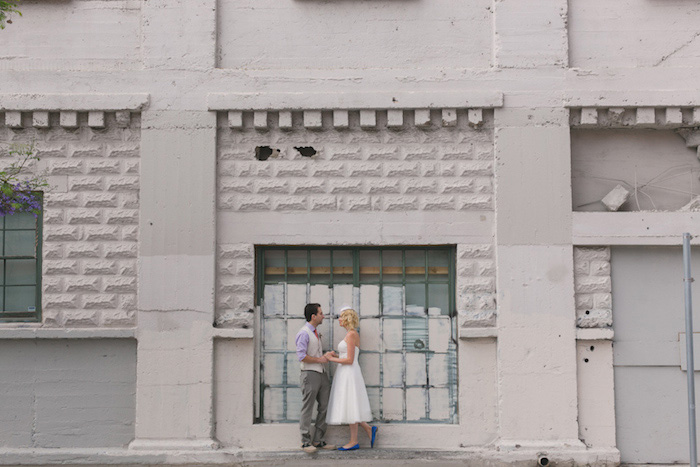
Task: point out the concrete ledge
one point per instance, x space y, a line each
174 444
470 457
352 100
634 228
477 333
78 102
632 98
595 334
224 333
28 332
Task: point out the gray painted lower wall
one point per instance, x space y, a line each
67 393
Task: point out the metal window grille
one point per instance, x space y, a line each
405 297
20 268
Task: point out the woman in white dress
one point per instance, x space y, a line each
348 403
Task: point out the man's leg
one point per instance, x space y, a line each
309 391
324 392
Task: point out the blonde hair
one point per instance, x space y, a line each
352 321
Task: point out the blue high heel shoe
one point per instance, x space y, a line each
351 448
374 435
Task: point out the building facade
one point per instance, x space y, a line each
498 187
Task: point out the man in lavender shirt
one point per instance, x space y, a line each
315 385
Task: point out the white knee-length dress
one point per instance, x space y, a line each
348 402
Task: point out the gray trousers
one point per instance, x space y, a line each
315 387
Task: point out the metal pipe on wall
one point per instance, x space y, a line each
687 282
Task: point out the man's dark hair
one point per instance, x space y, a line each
310 310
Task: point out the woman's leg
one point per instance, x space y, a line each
367 428
353 436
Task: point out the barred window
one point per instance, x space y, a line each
20 268
405 299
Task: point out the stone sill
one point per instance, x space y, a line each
477 333
232 333
594 334
18 331
75 102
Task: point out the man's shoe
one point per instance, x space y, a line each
324 445
308 448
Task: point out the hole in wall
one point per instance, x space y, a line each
306 151
263 153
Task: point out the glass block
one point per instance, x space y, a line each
374 402
296 300
293 327
321 294
297 266
415 299
392 403
415 266
274 334
392 266
439 404
415 403
369 266
20 271
392 333
369 334
273 299
415 369
438 263
293 369
20 298
369 362
342 297
438 369
273 368
321 266
273 265
342 266
392 300
415 335
369 300
273 404
20 243
439 297
439 333
293 404
392 370
23 220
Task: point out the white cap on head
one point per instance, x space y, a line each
344 308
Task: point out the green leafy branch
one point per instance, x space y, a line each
7 8
19 188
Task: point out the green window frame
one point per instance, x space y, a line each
20 267
416 273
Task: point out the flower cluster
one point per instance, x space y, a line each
19 191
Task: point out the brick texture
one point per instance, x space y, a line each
91 230
476 285
592 284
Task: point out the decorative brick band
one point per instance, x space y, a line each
637 117
592 282
365 118
65 118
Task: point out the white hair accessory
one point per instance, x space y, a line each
344 308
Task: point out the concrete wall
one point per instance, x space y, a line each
67 393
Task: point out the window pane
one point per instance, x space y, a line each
21 271
438 263
296 265
20 243
20 298
438 299
22 220
415 299
369 266
274 265
415 266
392 266
415 335
342 267
320 266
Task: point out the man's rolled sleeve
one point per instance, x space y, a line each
302 342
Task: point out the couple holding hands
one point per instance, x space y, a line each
343 403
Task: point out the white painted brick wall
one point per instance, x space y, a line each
592 282
91 229
476 286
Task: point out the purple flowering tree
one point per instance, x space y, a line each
20 189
